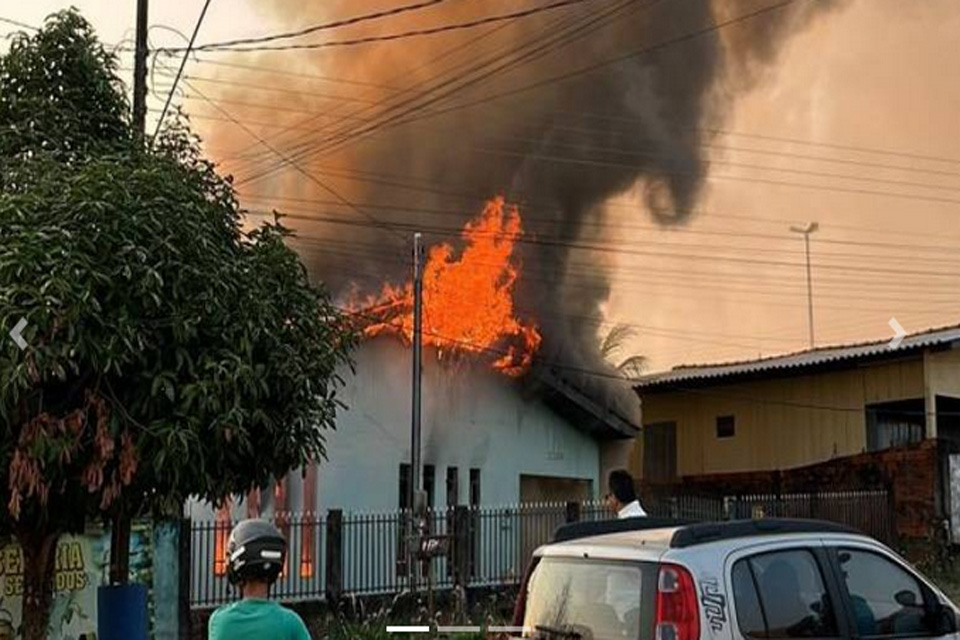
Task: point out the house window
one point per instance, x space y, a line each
453 486
429 482
308 526
474 487
895 424
726 426
474 543
222 528
404 497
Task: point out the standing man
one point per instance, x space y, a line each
255 555
622 498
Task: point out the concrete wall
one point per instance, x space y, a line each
780 423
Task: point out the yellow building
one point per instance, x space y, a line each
800 409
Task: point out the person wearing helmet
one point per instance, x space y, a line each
255 555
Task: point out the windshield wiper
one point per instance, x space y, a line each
558 632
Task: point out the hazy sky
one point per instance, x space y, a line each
877 75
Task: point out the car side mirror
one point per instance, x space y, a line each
942 619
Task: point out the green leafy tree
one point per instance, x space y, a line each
170 353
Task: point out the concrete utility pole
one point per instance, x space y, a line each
806 231
417 499
140 72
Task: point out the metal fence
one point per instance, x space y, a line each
869 511
365 554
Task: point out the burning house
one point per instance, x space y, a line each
499 427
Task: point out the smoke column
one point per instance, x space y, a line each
560 150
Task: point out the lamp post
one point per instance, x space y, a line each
806 231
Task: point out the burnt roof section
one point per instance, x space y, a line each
841 356
583 409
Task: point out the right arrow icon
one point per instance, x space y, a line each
898 334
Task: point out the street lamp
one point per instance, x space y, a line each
806 231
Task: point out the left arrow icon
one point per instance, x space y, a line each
16 332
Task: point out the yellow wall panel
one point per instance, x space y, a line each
786 422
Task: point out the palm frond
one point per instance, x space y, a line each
616 339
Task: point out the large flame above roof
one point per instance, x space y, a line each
468 302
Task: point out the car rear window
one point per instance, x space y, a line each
603 600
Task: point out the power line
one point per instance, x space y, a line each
704 145
610 117
580 274
597 281
714 176
307 175
606 249
692 35
443 56
403 35
310 215
494 64
773 138
377 15
404 182
852 243
493 67
276 71
17 23
183 63
528 218
475 347
727 148
840 147
248 85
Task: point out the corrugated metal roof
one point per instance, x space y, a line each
801 359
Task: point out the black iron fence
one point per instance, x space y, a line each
366 554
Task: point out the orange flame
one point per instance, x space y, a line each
467 301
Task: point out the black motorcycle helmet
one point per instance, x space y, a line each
256 551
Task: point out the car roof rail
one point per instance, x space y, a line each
575 530
689 534
704 532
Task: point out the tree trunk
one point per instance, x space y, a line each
39 562
120 548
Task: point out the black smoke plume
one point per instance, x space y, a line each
502 109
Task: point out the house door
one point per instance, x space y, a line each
660 452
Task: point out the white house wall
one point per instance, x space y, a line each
472 418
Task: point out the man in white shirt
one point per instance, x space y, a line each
622 498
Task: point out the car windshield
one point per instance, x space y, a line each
574 599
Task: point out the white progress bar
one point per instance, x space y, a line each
455 629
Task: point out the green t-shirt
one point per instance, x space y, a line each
254 619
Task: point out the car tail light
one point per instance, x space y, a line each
678 615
